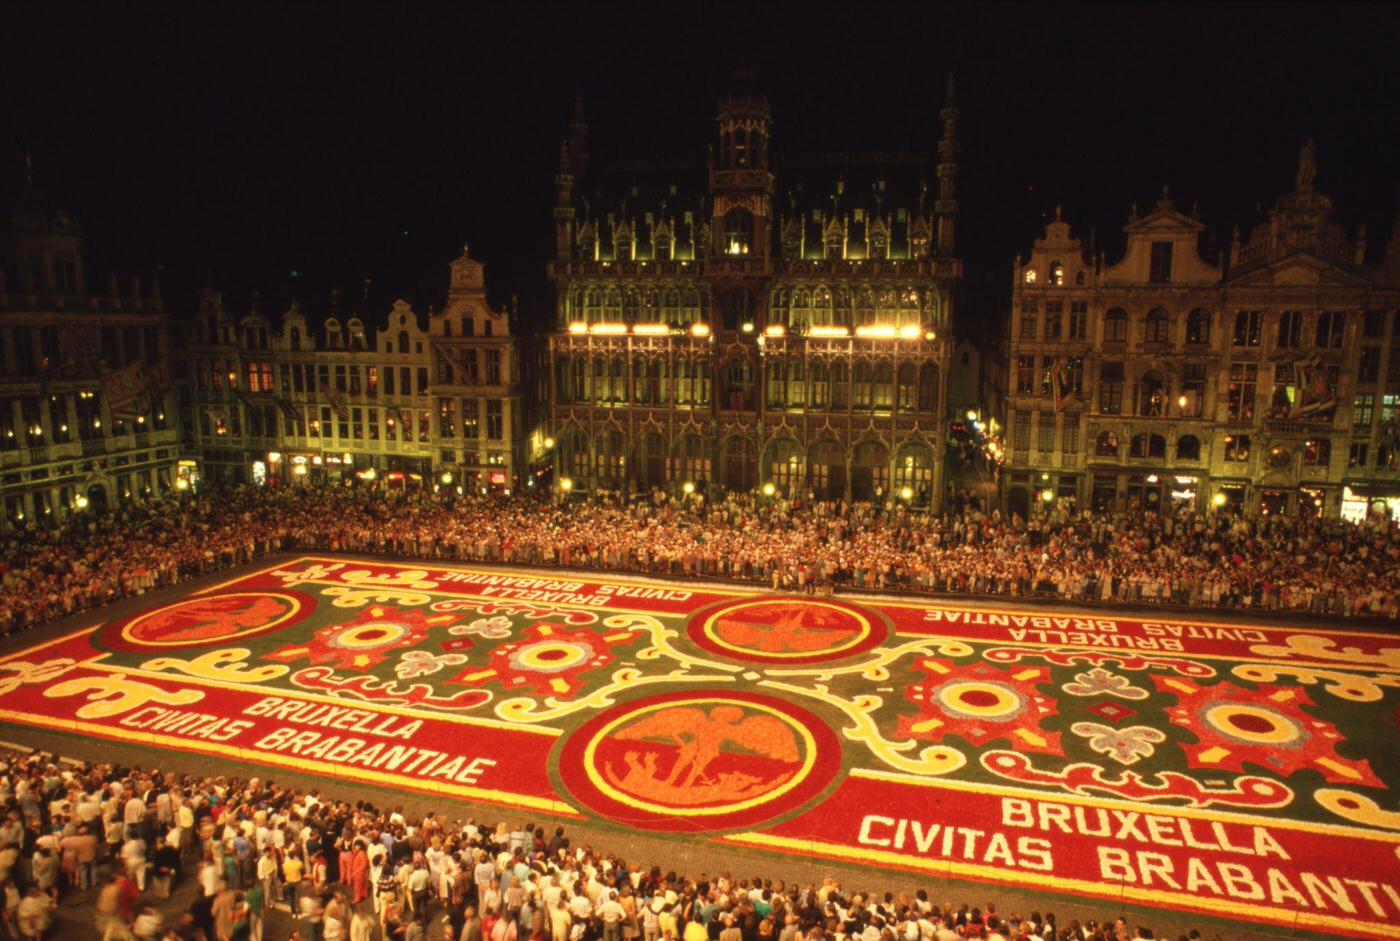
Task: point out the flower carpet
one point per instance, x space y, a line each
1238 771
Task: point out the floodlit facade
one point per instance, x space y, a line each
343 401
1266 382
85 413
719 328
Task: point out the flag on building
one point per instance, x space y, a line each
1314 390
218 420
337 403
1063 383
289 410
126 391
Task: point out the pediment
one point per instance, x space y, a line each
1299 270
1164 220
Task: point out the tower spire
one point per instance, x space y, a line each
946 205
578 135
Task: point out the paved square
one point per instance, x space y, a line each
1246 772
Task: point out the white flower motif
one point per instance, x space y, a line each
1098 682
1124 746
497 626
421 663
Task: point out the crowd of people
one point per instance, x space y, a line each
1189 558
126 838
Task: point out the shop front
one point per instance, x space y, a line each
1371 500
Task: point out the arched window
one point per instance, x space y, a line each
1188 448
785 464
841 307
821 306
1079 277
671 308
631 306
820 384
909 307
1029 276
884 376
863 376
1198 326
403 341
1115 325
1158 326
738 232
573 453
1106 445
906 388
296 338
801 310
865 308
1057 272
928 388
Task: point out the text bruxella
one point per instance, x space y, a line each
392 753
1252 875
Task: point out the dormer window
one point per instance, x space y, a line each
1057 273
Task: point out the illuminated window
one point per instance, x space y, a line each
738 232
1237 448
1057 272
1317 452
1030 276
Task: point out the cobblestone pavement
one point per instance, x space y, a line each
75 917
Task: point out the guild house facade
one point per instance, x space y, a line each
337 399
85 409
1265 381
720 327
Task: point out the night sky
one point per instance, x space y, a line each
346 143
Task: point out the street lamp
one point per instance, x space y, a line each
769 489
1218 500
81 503
447 477
972 414
182 484
688 487
1047 495
548 444
906 493
566 484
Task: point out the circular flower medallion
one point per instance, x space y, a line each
787 630
699 761
195 622
1255 725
